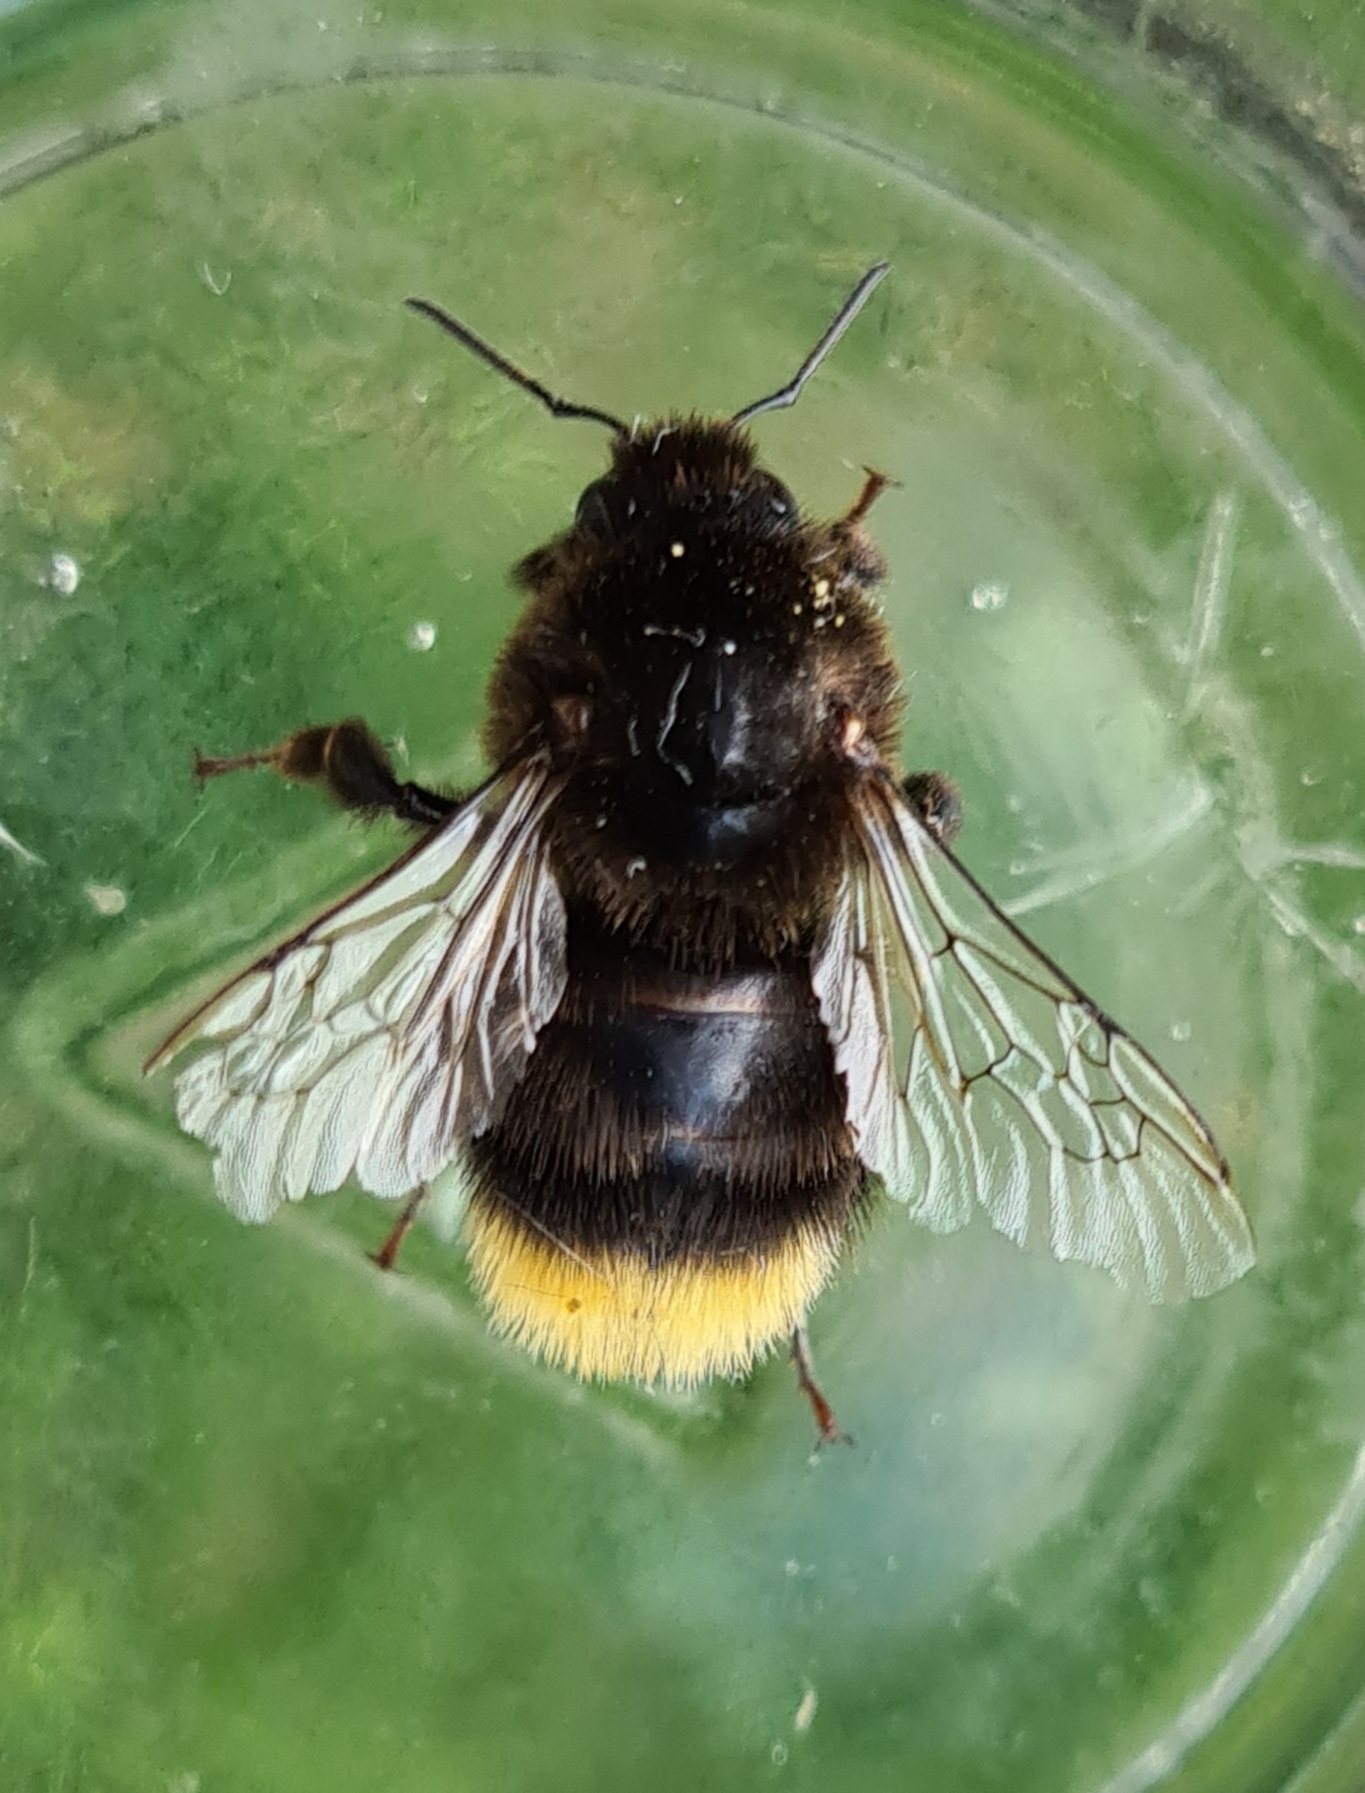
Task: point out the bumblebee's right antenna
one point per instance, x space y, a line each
557 407
852 305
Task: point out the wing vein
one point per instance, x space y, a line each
1062 1127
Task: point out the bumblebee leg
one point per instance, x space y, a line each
830 1430
387 1255
936 800
873 487
348 762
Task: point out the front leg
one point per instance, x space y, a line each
349 762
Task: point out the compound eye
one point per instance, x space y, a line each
771 501
593 516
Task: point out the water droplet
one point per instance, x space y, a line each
990 596
779 1754
107 899
63 574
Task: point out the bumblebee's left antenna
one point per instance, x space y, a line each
558 407
852 305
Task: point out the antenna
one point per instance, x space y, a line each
557 407
852 305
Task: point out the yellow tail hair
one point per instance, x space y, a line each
610 1314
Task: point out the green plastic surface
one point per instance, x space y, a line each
270 1521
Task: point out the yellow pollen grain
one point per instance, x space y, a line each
677 550
614 1317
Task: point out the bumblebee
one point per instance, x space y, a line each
695 975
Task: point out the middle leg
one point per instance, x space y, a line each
349 762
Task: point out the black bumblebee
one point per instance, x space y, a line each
695 972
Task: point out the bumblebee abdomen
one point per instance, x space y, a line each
671 1184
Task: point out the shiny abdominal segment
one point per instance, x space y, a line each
675 1181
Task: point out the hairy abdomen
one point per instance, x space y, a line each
670 1185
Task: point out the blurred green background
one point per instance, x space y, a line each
268 1521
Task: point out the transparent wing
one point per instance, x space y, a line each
376 1040
977 1072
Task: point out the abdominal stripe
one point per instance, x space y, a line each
670 1116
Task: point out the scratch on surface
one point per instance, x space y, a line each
1072 871
30 1265
17 847
1335 854
1195 894
1209 599
1347 964
201 810
1263 855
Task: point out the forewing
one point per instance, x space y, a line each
389 1030
977 1072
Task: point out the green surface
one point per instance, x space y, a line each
267 1521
